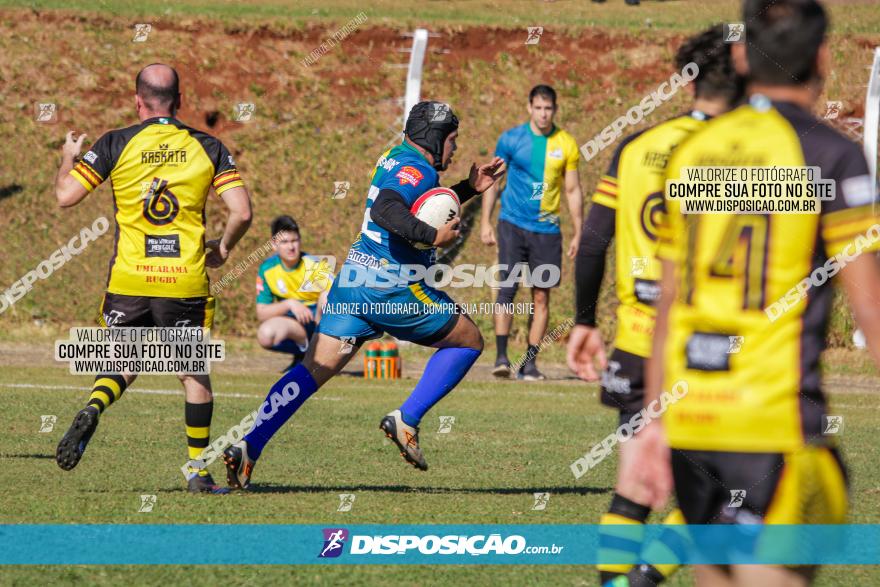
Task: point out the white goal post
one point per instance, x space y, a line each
414 73
872 117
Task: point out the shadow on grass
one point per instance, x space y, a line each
434 490
266 489
28 456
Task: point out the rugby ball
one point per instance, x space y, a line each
436 207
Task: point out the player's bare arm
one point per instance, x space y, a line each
487 231
861 280
68 191
575 199
238 201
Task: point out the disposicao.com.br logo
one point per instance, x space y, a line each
453 544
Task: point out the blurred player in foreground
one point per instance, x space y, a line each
416 311
751 422
626 207
157 273
542 167
291 288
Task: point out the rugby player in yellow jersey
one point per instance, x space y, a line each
751 423
626 207
161 172
291 289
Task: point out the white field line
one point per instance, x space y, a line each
146 391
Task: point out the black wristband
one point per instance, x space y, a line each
464 190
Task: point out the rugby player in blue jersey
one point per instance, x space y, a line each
416 312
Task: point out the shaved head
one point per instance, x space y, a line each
158 87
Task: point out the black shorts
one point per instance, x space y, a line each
808 486
623 383
144 311
517 245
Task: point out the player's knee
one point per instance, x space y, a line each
540 297
475 338
198 387
266 336
479 343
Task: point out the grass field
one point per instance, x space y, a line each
505 445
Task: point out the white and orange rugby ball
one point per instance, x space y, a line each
436 207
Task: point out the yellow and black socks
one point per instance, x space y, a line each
671 547
107 389
621 532
198 431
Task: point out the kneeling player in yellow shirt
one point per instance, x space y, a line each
291 289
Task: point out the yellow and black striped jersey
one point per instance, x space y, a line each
161 172
739 336
633 188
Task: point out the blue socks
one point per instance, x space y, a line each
443 372
285 398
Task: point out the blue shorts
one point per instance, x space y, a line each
309 326
417 313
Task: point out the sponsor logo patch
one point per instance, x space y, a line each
163 156
409 175
162 246
708 351
858 191
647 291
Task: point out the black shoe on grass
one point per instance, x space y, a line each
204 484
502 369
73 444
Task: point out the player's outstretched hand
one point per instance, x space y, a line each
585 352
217 253
654 466
447 233
72 147
481 178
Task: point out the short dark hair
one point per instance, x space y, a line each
784 37
284 224
158 97
716 77
545 92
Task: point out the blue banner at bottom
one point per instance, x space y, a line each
270 544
